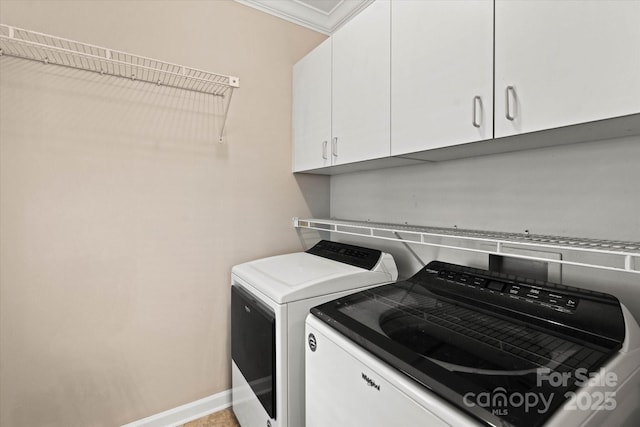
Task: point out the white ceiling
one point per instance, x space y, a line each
324 16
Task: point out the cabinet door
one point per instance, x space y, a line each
565 62
361 80
312 109
442 73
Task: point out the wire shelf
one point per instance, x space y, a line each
611 255
48 49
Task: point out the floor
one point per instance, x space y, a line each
223 418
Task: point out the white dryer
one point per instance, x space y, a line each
270 299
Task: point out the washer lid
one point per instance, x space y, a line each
296 276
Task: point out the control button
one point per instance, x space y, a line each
571 303
515 290
464 278
495 286
479 281
555 299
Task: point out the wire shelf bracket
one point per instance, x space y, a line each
610 255
48 49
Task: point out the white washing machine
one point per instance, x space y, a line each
270 299
457 346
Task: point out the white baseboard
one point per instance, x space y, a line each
188 412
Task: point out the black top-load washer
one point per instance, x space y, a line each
469 335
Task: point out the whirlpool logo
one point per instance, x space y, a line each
370 382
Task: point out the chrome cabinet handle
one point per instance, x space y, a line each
334 146
510 91
324 150
476 120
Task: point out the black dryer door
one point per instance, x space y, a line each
253 345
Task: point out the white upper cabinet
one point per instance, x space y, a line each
563 62
312 109
361 80
406 77
442 73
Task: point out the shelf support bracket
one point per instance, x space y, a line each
224 119
628 263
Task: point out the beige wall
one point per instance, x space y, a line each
121 215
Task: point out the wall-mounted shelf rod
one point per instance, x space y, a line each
48 49
612 255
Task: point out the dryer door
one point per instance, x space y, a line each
253 345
